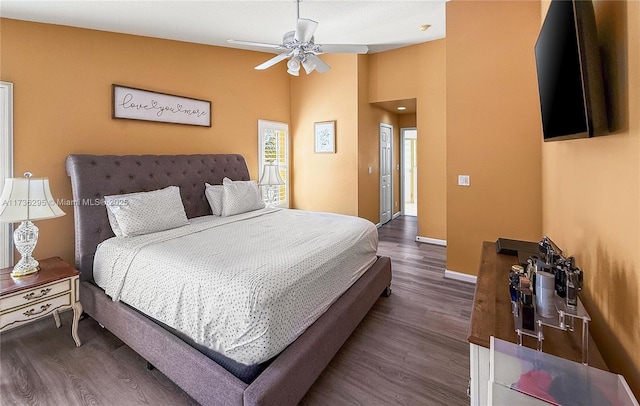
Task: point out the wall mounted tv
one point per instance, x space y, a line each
570 73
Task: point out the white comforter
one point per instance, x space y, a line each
245 286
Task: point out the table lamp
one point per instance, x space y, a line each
25 200
271 178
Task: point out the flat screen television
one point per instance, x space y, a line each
570 79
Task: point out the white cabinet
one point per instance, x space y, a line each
509 374
479 356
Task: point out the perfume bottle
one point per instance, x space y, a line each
560 272
573 285
545 294
528 310
514 282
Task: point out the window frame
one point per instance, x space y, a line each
264 125
6 169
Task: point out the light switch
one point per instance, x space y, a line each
370 170
463 180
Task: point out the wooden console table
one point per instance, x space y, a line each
491 316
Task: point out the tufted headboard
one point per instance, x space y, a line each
96 176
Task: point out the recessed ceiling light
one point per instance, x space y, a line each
401 108
424 27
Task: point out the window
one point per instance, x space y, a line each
273 146
6 168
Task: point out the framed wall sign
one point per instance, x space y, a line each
138 104
325 137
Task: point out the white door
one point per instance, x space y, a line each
386 187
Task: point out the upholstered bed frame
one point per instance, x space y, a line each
292 372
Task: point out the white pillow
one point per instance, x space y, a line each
214 195
117 200
240 197
112 218
146 212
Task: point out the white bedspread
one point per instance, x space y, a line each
245 286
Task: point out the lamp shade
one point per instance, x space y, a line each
27 199
271 175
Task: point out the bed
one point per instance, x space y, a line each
286 377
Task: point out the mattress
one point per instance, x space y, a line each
244 286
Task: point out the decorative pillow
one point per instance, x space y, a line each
214 195
240 197
146 212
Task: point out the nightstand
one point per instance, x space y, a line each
53 289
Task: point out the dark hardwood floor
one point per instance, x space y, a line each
411 348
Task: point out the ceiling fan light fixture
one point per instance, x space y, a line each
308 66
300 48
293 66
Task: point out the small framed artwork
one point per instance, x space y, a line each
325 137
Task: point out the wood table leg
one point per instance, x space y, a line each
77 311
56 317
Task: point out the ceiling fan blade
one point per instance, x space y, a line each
273 61
255 44
343 49
305 29
312 62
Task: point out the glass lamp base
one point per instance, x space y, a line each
18 273
25 238
271 196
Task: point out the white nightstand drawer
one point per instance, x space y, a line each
34 295
33 311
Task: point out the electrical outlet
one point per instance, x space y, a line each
463 180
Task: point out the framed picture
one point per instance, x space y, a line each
325 137
138 104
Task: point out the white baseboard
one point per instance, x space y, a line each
433 241
395 216
464 277
378 225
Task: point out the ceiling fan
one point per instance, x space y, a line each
299 47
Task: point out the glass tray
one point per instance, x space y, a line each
564 321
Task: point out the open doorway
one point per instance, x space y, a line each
409 171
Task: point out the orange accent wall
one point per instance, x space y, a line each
407 120
369 156
62 80
493 127
591 196
369 119
419 71
326 182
